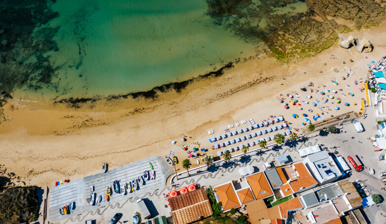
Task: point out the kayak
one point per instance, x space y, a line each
123 189
151 166
65 210
108 191
61 211
131 187
116 186
146 175
107 197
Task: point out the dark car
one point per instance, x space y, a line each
116 218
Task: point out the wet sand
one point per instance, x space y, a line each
43 143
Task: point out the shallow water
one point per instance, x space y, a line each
125 46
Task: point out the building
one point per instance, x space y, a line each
190 207
299 179
258 211
226 194
323 167
276 177
260 186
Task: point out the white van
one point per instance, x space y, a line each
358 126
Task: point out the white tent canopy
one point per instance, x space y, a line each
243 171
309 150
250 169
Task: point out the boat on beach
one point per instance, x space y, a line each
146 175
104 167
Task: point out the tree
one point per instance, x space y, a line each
227 156
242 219
186 165
332 129
232 211
279 139
262 144
293 136
245 149
208 161
311 127
376 198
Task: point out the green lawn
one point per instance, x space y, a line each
280 200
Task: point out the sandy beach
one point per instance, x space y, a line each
44 143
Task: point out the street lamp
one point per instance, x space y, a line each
171 154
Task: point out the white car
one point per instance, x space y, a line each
358 126
92 198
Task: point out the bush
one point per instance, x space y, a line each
373 90
376 198
242 219
232 211
332 129
311 127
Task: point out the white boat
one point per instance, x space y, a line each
123 189
104 167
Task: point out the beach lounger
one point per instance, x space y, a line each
264 132
265 123
243 121
262 139
234 133
224 151
258 133
224 136
237 124
276 120
282 133
243 138
248 136
240 147
245 130
250 128
272 137
253 134
216 146
246 144
280 119
219 153
274 128
230 149
288 132
270 121
267 138
218 137
251 121
285 125
239 131
279 127
255 126
261 124
238 139
227 143
251 143
257 142
269 130
211 140
229 134
232 141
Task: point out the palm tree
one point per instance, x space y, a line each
208 161
293 137
245 149
186 165
262 144
311 127
279 139
227 156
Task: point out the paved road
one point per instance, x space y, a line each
79 190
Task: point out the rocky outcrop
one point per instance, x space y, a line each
363 45
19 204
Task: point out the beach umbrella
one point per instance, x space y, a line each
305 102
190 155
250 169
352 94
192 187
334 91
322 93
284 103
347 104
305 115
295 116
354 104
183 190
303 89
331 96
203 150
314 104
279 100
286 107
303 123
184 148
295 100
309 97
335 83
300 108
292 102
337 108
173 193
183 139
243 171
327 90
195 149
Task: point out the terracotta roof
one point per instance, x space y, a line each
334 221
286 189
352 194
245 195
271 221
292 204
305 179
227 196
189 207
259 185
258 211
281 175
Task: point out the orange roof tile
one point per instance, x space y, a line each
281 175
334 221
286 189
259 185
245 195
305 179
227 196
258 211
284 207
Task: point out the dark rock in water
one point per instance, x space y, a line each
19 204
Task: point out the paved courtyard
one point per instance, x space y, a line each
79 190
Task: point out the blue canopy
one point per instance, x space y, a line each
382 85
379 74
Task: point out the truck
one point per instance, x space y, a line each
143 208
355 162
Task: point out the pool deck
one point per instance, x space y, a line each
79 190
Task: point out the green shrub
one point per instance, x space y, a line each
232 211
332 129
376 198
373 90
311 127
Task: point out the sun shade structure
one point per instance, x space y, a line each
190 207
173 193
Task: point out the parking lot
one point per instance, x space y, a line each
79 191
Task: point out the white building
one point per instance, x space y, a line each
323 167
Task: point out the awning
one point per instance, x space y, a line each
379 74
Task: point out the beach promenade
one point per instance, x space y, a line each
78 191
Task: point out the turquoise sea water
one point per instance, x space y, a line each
120 46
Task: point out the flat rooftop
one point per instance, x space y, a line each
329 193
79 190
325 214
323 166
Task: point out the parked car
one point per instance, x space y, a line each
358 126
116 218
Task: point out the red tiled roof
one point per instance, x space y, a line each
227 196
259 185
